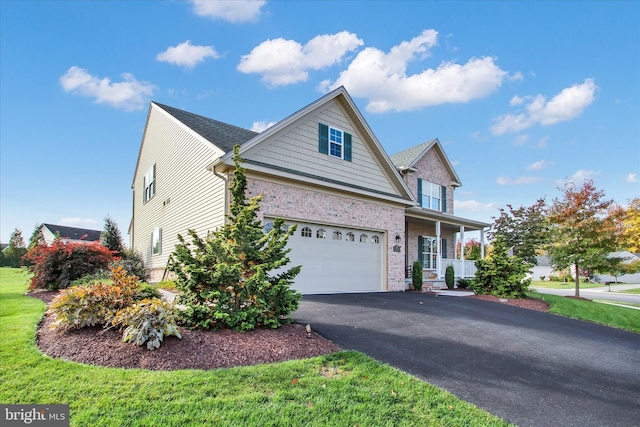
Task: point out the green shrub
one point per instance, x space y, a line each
463 283
132 263
450 276
147 322
554 278
542 278
146 291
235 278
416 275
91 278
501 275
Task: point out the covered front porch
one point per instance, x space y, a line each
431 238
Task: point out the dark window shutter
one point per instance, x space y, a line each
323 138
444 249
419 192
347 146
420 247
444 198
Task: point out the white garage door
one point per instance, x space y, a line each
336 259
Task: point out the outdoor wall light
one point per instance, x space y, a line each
398 238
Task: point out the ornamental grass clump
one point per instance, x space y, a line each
235 278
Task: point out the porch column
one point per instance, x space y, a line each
438 245
482 243
461 265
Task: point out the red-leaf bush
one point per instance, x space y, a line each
55 266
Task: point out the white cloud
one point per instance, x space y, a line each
566 105
79 222
539 165
579 177
472 206
522 180
187 55
129 94
283 62
516 100
259 126
381 77
229 10
632 177
542 143
521 139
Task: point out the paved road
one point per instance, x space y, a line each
531 368
598 293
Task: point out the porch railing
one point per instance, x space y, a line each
461 268
464 268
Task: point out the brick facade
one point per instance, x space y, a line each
307 205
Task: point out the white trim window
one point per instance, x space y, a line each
156 241
428 252
432 196
335 142
149 184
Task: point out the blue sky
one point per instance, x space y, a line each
523 95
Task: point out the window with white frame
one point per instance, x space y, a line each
335 142
321 234
428 252
337 235
350 237
305 232
375 239
156 241
149 184
431 195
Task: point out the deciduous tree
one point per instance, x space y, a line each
631 224
525 229
584 228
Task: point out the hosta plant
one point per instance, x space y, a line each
147 322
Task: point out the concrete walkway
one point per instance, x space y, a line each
532 368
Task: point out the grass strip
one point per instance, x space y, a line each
610 315
342 389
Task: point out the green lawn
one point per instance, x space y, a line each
606 314
567 285
343 389
631 291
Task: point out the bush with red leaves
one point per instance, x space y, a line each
55 266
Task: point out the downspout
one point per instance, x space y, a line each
212 168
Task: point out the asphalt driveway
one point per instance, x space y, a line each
531 368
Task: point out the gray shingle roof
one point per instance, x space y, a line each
222 135
405 158
74 233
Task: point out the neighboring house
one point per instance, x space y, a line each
363 217
69 234
628 258
3 246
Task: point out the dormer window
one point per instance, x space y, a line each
432 196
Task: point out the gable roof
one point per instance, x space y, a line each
222 135
342 97
408 158
74 233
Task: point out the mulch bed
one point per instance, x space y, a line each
198 349
531 304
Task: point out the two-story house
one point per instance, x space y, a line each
363 217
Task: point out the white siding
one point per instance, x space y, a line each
187 195
296 148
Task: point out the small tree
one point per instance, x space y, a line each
500 274
16 250
631 222
416 275
37 238
525 229
450 276
585 229
235 278
111 237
